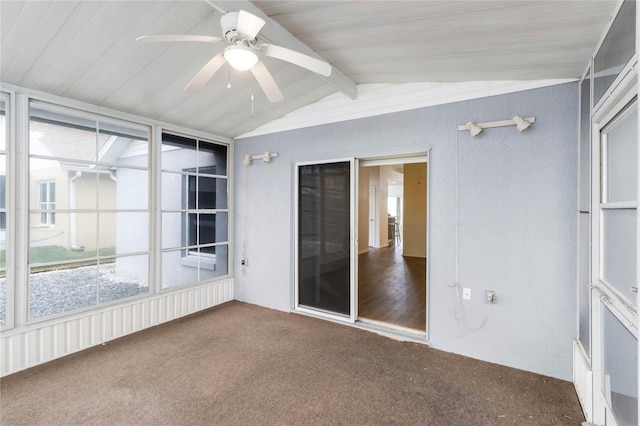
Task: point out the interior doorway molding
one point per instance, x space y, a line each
388 160
412 158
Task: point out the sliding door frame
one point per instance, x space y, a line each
353 243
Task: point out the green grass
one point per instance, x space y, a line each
47 254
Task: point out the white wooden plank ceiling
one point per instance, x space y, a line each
86 50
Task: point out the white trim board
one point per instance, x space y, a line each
378 99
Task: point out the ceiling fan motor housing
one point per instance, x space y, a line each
229 24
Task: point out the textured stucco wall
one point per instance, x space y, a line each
517 222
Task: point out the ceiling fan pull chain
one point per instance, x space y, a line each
253 79
228 76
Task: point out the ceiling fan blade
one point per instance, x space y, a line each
297 58
265 80
205 74
172 38
249 25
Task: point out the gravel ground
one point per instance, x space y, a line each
63 290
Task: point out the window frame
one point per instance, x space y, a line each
602 206
9 99
18 191
614 103
95 166
191 254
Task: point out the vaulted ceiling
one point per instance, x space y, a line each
86 50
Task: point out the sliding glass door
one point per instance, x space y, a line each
325 272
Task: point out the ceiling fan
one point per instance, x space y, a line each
240 32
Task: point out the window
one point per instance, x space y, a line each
584 216
619 177
3 201
620 369
4 163
195 214
48 203
617 49
88 176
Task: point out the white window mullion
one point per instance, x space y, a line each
155 199
10 209
21 216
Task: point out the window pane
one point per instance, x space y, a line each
619 250
192 190
131 187
585 145
125 143
584 306
620 375
53 290
622 157
123 277
3 181
173 230
3 214
213 227
192 229
179 269
616 50
173 188
212 159
55 185
178 153
3 242
212 193
123 233
73 237
3 124
213 262
60 138
3 298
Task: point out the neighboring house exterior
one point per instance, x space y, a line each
57 186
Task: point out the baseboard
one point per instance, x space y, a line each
31 345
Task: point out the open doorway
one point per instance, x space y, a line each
392 241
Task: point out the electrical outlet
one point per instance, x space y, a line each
244 262
466 293
490 296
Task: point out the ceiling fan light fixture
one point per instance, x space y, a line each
240 57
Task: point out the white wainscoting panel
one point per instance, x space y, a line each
583 380
30 345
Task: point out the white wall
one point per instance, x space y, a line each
517 219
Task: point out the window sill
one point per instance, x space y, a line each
208 262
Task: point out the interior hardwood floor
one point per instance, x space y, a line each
392 288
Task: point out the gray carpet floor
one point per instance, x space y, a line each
242 364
